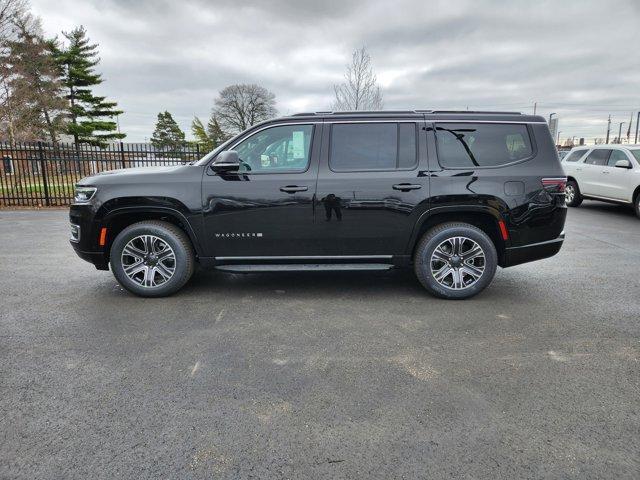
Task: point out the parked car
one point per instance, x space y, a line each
610 173
452 195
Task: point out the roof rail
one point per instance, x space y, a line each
476 112
394 112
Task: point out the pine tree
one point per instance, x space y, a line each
91 116
215 132
200 133
167 135
211 136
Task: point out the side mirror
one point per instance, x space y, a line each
623 164
227 161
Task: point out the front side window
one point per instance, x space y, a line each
276 149
468 145
575 156
636 154
615 156
373 146
598 157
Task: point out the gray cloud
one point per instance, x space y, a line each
575 58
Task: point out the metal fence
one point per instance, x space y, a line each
42 174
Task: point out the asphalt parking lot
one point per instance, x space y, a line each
322 375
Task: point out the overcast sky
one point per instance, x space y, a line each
579 59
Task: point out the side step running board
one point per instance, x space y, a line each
303 267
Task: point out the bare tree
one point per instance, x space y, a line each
360 90
240 106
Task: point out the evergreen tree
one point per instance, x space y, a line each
91 116
215 132
200 134
208 137
167 135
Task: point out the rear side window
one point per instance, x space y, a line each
372 146
598 157
575 156
462 145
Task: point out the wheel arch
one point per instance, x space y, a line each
117 214
486 219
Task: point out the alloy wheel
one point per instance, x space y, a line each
457 263
569 193
148 261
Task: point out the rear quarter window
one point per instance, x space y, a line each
471 145
575 156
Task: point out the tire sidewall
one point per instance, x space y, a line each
577 200
180 276
423 262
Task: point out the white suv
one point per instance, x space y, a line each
610 173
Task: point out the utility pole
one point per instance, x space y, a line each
551 115
558 140
535 107
620 132
608 129
637 123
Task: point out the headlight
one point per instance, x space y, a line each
84 194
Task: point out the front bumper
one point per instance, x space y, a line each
97 258
534 251
86 243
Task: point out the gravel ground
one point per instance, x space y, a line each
350 375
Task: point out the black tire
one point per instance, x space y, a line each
572 194
167 233
431 240
636 204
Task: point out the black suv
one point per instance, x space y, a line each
450 194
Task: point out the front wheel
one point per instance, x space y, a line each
636 204
455 260
152 258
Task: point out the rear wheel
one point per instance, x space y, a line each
152 258
636 204
455 260
572 194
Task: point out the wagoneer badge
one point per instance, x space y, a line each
239 235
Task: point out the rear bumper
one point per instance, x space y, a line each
534 251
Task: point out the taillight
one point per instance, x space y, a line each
554 185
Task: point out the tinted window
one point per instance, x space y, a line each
372 146
575 156
284 148
597 157
481 145
636 153
615 156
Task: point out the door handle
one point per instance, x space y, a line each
405 187
578 169
293 189
605 171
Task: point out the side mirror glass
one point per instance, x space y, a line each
623 164
227 161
